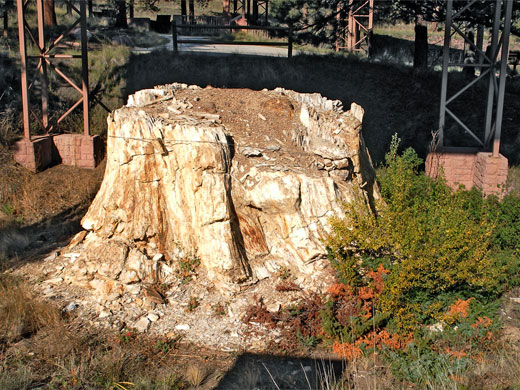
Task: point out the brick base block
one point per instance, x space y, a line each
69 149
35 154
79 150
479 169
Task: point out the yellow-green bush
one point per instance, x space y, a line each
439 245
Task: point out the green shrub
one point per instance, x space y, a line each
439 245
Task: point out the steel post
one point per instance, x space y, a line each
503 73
84 66
445 63
23 68
43 66
492 75
371 15
351 26
339 33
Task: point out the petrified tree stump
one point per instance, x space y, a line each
244 180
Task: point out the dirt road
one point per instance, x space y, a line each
216 48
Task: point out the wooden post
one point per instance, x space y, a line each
184 12
254 19
174 37
6 21
289 46
191 10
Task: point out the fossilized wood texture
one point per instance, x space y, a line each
177 178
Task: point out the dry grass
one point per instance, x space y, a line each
42 348
195 374
498 370
29 198
21 314
513 179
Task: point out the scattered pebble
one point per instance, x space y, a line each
71 306
142 325
153 317
251 152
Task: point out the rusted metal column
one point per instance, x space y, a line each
480 44
503 73
492 76
43 66
445 62
351 26
84 66
371 15
23 66
339 34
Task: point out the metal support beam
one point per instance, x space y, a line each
503 73
46 53
488 65
43 66
23 68
84 66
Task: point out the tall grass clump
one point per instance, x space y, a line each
21 314
422 277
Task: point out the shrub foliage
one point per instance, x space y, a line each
438 245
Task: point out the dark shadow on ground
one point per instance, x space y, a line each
19 245
259 372
395 98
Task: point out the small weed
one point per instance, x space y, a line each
307 341
8 209
192 304
283 273
219 309
187 268
126 336
164 345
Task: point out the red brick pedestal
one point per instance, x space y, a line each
35 154
469 168
69 149
78 150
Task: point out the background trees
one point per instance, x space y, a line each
320 22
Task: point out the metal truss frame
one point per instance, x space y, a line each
355 37
44 57
489 64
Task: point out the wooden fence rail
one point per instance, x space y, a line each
231 28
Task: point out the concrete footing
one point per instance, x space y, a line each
469 168
69 149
